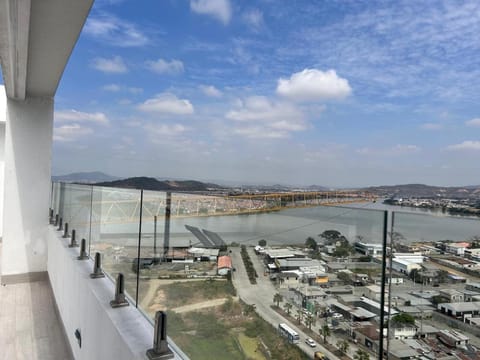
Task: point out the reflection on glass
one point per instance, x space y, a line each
432 293
230 270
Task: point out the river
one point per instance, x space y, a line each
293 226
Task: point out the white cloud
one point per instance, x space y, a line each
115 31
118 88
166 129
79 116
474 122
112 88
210 90
134 90
254 19
432 126
69 133
113 65
219 9
313 84
466 145
401 149
259 117
161 66
167 103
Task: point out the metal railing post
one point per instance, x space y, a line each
97 267
73 241
119 299
83 252
160 350
65 231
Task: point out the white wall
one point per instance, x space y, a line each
84 304
28 140
3 119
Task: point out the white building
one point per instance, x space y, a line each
368 249
456 248
404 266
452 295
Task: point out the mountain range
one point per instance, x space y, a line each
150 183
426 191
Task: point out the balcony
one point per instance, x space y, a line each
168 246
245 277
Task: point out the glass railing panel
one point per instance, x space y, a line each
115 232
55 198
152 266
78 210
228 257
434 281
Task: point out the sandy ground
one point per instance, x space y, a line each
200 305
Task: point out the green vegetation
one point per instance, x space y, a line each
331 236
277 298
250 347
335 237
361 355
311 243
262 242
251 272
366 258
288 307
325 332
403 318
310 321
345 277
190 292
232 331
343 346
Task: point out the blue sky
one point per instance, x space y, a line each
338 93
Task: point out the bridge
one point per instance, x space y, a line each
120 207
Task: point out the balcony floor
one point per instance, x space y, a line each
29 326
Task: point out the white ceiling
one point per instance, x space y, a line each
36 40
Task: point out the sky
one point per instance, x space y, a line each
334 93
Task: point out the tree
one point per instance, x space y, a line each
403 318
343 346
330 235
249 309
288 307
277 298
319 308
361 355
311 243
442 276
309 321
415 276
262 242
299 315
325 332
345 277
475 242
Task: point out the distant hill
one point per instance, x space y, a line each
149 183
426 191
85 177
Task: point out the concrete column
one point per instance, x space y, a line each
28 142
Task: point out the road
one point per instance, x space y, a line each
261 295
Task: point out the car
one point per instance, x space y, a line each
337 316
310 342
